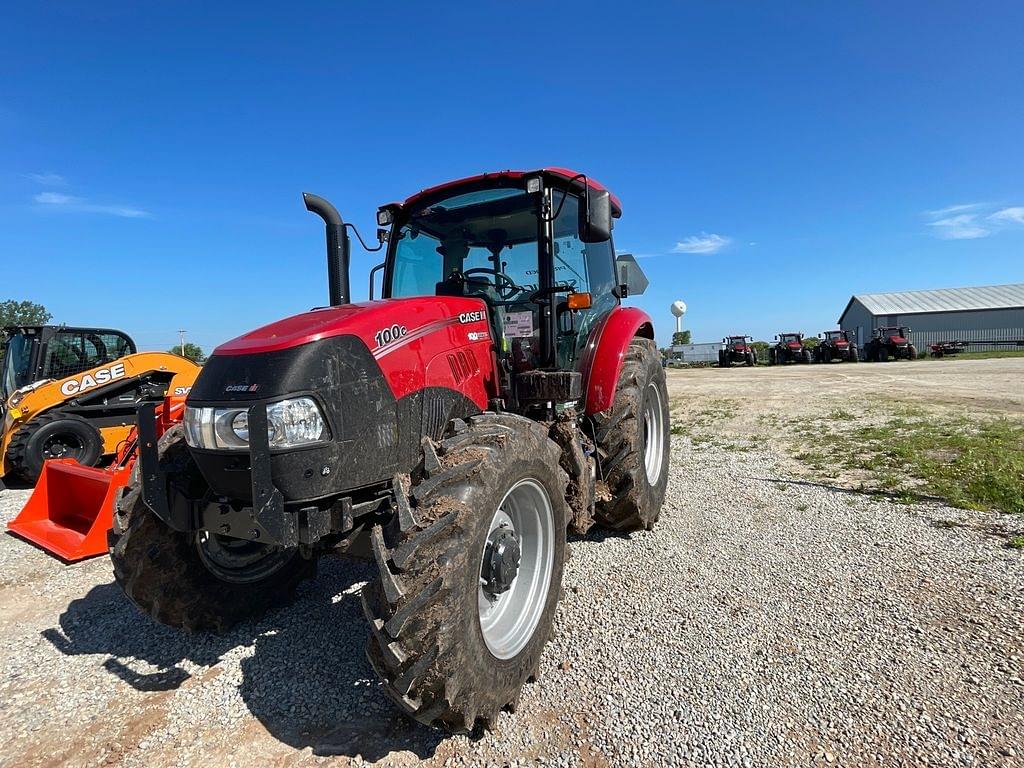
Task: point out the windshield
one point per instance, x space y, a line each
478 243
790 337
833 335
737 339
16 361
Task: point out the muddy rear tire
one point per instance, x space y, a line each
436 641
184 580
636 476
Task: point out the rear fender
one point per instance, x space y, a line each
602 361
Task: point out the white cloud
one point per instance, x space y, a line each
962 227
48 179
80 205
702 243
973 220
963 207
1013 215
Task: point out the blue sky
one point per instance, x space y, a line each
771 159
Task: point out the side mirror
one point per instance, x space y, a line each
595 222
631 277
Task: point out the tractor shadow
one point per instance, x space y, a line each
904 496
304 675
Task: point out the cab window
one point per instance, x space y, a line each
585 267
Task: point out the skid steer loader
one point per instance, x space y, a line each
496 396
72 393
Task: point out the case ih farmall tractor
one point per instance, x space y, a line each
738 349
890 342
496 396
788 348
836 345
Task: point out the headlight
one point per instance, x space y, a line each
290 423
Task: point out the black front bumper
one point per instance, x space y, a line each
267 518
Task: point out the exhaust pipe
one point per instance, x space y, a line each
337 248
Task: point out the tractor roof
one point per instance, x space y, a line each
555 174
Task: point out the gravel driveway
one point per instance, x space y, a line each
765 621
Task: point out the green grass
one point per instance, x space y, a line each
1016 542
970 464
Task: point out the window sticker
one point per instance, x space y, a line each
519 325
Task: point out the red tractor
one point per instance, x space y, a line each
738 349
496 396
788 348
890 342
836 345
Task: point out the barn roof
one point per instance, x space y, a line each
941 300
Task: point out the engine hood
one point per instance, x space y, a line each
382 325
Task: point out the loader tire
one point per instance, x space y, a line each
171 576
624 435
53 435
430 641
912 352
854 355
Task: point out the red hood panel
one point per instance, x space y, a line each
417 342
897 340
364 320
794 344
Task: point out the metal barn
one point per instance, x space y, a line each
986 313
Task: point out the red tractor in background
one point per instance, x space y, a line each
738 349
890 342
496 396
788 348
836 345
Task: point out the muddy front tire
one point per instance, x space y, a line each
450 647
633 442
197 582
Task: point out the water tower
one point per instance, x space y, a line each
678 309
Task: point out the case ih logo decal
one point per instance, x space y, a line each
471 317
387 335
92 380
241 387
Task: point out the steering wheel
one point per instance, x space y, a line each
503 284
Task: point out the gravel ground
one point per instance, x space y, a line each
765 621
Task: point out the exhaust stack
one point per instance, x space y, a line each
337 248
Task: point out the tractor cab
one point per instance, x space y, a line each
738 343
839 338
898 335
35 353
535 247
792 340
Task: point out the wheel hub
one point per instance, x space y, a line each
501 560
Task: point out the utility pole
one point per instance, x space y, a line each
181 335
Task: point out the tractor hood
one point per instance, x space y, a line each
382 373
380 324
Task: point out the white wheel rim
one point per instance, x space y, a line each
654 434
509 620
